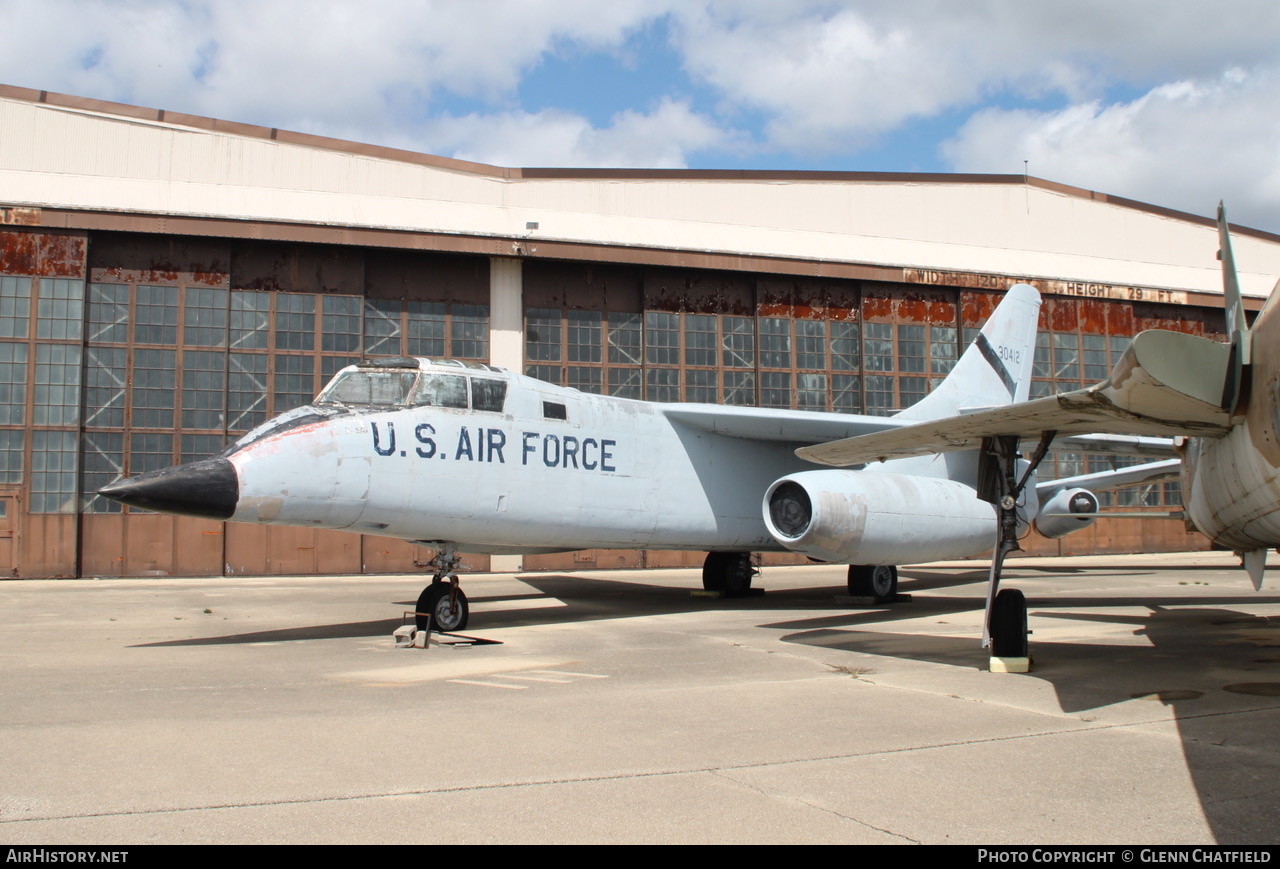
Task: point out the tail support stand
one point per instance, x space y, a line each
1004 629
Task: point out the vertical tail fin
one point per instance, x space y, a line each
1237 326
996 367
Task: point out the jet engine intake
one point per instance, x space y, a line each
868 517
1053 520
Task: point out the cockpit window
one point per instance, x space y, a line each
441 390
488 394
370 389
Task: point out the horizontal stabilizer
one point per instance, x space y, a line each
1104 481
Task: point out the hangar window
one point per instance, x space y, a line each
13 383
104 386
295 322
469 331
15 306
11 450
204 322
155 315
153 386
340 324
292 385
53 471
57 385
60 311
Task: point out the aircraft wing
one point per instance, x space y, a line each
769 424
1167 383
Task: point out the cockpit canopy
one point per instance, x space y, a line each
402 382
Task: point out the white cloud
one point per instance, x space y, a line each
826 74
316 66
662 138
1184 145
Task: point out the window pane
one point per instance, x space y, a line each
583 335
204 386
155 317
246 391
426 329
624 339
53 472
205 318
15 306
662 339
845 352
60 314
740 388
13 383
775 388
294 382
775 347
340 324
102 462
699 341
105 375
811 345
11 444
250 319
57 395
382 327
295 321
663 384
154 383
739 342
701 385
469 332
542 335
108 313
877 349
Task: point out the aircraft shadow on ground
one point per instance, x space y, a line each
1220 652
1225 660
582 598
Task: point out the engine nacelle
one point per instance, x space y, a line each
867 517
1067 501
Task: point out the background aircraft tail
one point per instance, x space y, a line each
996 367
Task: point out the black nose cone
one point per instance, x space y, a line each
207 488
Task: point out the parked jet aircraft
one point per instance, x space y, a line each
465 456
1225 397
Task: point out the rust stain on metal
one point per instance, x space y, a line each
1080 289
1093 316
877 308
42 254
976 308
20 216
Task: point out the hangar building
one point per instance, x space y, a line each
169 281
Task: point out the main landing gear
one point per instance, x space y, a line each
443 602
877 581
728 572
1005 630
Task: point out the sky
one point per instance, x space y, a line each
1171 102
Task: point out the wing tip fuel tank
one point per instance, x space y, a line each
209 489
